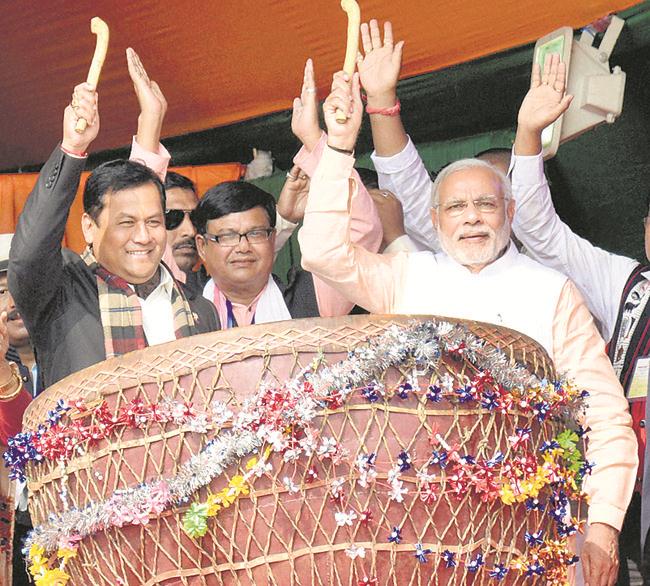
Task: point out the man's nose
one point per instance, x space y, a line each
187 228
141 233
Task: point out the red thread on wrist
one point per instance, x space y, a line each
74 153
392 111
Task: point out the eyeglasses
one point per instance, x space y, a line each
174 218
484 205
255 236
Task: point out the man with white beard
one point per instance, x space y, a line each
480 276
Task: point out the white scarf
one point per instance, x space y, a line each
270 307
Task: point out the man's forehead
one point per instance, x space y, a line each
476 181
253 218
134 199
179 197
3 279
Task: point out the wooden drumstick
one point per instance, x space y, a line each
99 28
354 21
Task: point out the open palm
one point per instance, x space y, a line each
545 101
379 68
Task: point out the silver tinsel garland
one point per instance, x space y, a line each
422 341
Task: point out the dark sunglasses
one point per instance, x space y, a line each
174 218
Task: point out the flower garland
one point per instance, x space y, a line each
59 442
280 420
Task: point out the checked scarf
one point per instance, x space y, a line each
121 313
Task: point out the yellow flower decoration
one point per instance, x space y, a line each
36 550
507 495
54 577
65 553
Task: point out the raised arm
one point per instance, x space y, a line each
365 225
36 262
367 279
146 147
599 275
400 168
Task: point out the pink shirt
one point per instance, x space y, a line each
376 282
365 230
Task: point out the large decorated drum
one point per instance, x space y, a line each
354 451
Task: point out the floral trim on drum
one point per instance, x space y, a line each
279 420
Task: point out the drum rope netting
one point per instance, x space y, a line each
273 534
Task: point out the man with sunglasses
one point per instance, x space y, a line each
181 200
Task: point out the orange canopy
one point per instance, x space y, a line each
220 62
15 187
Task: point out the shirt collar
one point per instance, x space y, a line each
165 286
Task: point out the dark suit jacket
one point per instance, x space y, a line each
54 290
299 293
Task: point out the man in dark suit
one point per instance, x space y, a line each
117 296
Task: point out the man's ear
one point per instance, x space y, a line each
88 227
200 246
510 209
434 216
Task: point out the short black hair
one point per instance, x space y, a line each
231 197
174 179
115 176
368 177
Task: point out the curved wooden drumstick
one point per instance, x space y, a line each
99 28
354 21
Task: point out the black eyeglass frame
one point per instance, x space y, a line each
216 238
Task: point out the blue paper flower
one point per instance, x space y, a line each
403 390
395 535
499 572
439 458
475 564
449 558
434 394
421 553
403 461
534 539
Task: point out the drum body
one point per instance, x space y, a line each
285 531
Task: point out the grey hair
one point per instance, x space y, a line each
462 165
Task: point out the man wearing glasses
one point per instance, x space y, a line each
236 239
181 200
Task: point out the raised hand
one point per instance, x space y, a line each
148 92
153 105
83 105
304 117
380 65
545 101
346 97
293 197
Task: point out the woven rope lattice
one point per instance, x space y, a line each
273 536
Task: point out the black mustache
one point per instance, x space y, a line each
189 241
13 314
